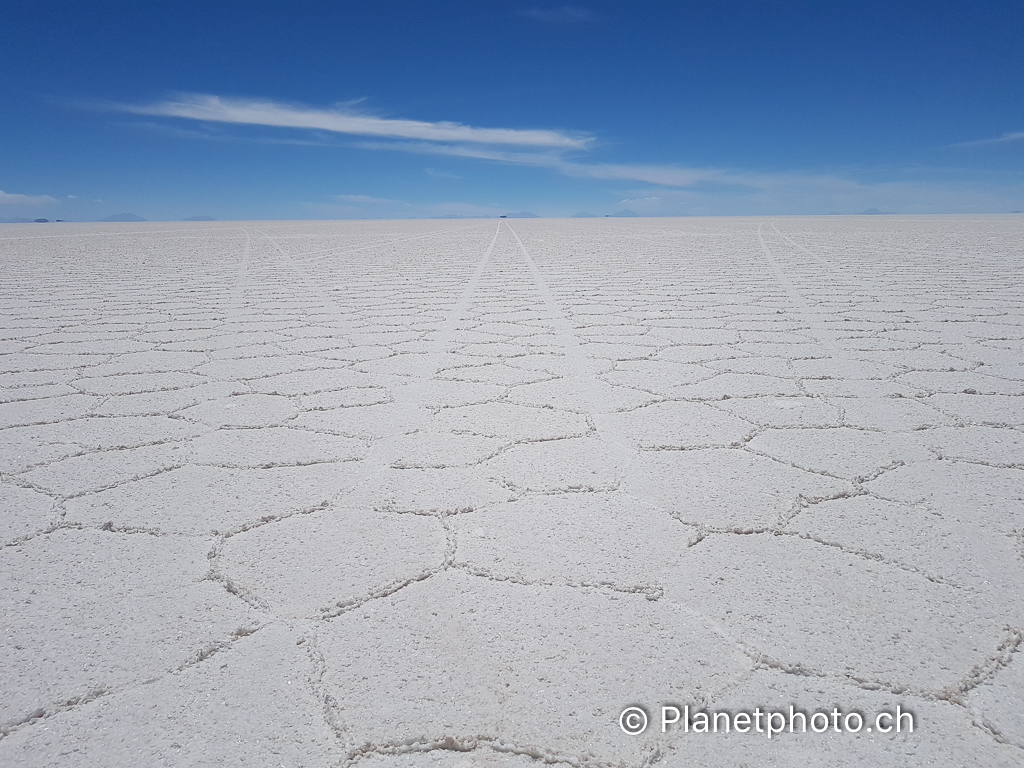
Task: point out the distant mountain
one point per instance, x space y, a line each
199 218
123 217
875 212
626 212
584 215
522 215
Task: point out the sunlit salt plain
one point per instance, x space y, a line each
456 493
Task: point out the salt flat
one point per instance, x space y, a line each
457 493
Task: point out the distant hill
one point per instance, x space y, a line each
522 215
875 212
123 217
626 212
199 218
584 215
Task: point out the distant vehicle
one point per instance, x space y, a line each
42 221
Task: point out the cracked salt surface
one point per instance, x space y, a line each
432 494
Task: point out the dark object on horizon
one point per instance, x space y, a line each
1016 211
607 215
875 212
626 212
584 215
123 217
199 218
58 219
503 216
42 221
522 215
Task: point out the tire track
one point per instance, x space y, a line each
834 269
375 244
241 281
447 331
815 322
304 280
582 376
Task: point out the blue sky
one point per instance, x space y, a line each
302 110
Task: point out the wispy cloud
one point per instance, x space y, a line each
661 175
7 198
563 14
1004 139
441 174
362 199
664 175
538 148
216 133
700 191
343 119
684 189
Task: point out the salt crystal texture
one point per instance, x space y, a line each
456 494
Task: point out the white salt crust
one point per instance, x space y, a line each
454 494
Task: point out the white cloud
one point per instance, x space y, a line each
441 174
666 175
1004 139
794 195
212 133
342 119
662 175
362 199
7 198
72 197
560 152
538 148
